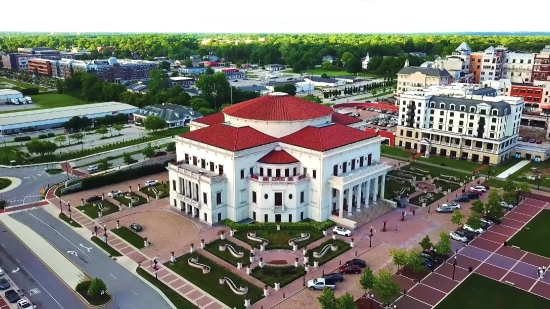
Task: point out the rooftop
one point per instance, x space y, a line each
212 119
325 138
344 119
229 138
169 112
425 70
278 106
278 156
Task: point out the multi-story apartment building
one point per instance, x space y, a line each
541 66
110 70
17 62
459 121
40 66
418 78
487 65
517 67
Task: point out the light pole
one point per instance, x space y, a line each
454 268
70 216
371 297
538 187
370 240
61 205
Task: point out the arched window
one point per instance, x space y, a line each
494 112
472 109
462 108
432 104
452 107
442 105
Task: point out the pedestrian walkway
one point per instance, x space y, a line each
513 169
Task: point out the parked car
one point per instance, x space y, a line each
358 262
427 256
471 229
495 220
1 272
452 205
24 304
136 227
150 183
466 234
434 256
520 139
429 264
12 296
480 188
472 195
475 191
93 168
444 209
532 140
4 284
114 193
334 276
487 222
539 141
340 230
506 205
321 284
463 198
455 236
93 198
349 269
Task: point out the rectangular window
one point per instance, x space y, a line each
305 171
278 172
204 198
218 198
173 185
254 197
203 163
278 199
251 171
242 173
314 174
352 164
268 172
335 170
295 171
302 197
211 166
287 172
220 169
194 161
361 161
261 171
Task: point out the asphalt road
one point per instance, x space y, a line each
128 291
33 179
38 282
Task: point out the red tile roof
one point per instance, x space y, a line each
326 138
344 119
229 138
278 157
211 119
278 108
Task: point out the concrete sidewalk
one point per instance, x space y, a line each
513 169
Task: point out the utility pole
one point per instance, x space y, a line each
231 94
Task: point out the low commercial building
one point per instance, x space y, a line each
325 82
7 94
42 119
182 81
174 115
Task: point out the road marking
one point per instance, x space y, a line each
18 261
3 246
27 178
72 253
15 270
113 276
134 292
38 175
55 300
87 248
34 291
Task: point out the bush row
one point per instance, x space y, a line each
27 91
311 225
22 139
121 176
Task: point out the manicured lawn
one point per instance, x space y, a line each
445 185
52 100
112 251
424 169
7 153
19 84
278 274
453 163
342 247
66 218
130 236
479 292
395 151
214 248
416 200
160 188
210 282
498 169
126 201
394 186
93 211
527 171
53 171
534 236
4 183
179 301
495 183
279 239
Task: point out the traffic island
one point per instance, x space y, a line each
94 292
98 209
130 237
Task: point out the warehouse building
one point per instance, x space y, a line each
7 94
41 119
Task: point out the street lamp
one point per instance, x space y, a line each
61 205
540 174
454 268
70 216
371 297
370 240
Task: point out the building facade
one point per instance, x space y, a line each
110 70
419 78
541 66
455 122
40 66
517 67
276 158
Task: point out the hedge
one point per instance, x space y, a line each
310 225
121 176
51 134
42 136
27 91
22 139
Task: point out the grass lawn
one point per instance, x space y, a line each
160 188
279 239
53 171
4 183
396 152
419 168
126 201
478 292
498 169
342 247
52 100
179 301
416 200
394 186
541 167
445 185
92 211
463 165
495 183
112 251
214 248
19 84
7 153
130 236
534 236
278 274
210 282
66 218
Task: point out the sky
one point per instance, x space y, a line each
281 16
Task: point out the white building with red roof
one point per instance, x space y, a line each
276 158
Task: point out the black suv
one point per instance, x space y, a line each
357 262
334 276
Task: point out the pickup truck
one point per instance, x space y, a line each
321 284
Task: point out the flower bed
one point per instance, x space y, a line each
278 239
164 190
418 200
92 209
214 248
342 247
278 274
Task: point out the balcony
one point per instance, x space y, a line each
292 179
278 209
188 200
195 172
359 174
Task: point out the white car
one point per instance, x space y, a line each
457 237
114 193
1 272
487 222
452 205
340 230
479 188
24 304
471 229
506 205
150 183
93 168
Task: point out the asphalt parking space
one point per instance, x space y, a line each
33 179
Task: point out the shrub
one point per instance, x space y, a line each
121 176
51 134
29 91
22 139
310 225
42 136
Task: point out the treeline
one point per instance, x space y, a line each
372 88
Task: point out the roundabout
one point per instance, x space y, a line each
9 183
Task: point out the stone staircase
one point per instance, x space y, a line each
367 215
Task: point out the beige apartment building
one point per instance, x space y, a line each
419 78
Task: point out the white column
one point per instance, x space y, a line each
341 203
383 186
350 199
367 194
358 197
375 191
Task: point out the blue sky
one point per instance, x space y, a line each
281 16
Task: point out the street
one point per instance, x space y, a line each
128 291
38 282
33 179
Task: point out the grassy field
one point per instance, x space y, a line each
342 247
453 163
534 236
19 84
393 186
532 171
395 151
478 292
214 248
93 211
52 100
130 236
179 301
279 240
278 274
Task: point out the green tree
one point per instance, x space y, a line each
171 147
324 75
104 164
97 288
102 130
60 139
354 66
509 194
385 287
213 87
494 208
474 221
188 63
78 137
159 82
368 279
327 300
374 92
286 88
199 103
327 65
457 217
347 57
118 128
148 151
416 263
478 207
524 188
209 71
426 243
399 257
127 158
154 123
347 301
312 98
444 246
41 147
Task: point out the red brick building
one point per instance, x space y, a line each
529 92
40 66
541 66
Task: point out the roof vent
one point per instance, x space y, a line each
278 148
279 94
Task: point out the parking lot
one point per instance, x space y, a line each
374 118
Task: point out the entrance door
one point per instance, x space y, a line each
475 158
302 215
278 218
254 215
219 217
422 148
289 217
443 152
486 160
408 145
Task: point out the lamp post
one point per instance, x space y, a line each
70 216
454 269
489 172
61 205
370 240
540 174
371 297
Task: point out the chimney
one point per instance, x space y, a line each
441 66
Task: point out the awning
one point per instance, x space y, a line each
544 106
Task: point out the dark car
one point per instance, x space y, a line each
334 276
463 234
434 256
12 296
4 284
493 219
463 198
428 257
93 198
357 262
136 227
468 234
472 195
429 264
532 140
349 269
290 78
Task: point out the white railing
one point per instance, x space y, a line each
189 201
361 172
253 237
233 287
232 250
194 262
325 249
303 237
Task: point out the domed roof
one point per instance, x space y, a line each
278 106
